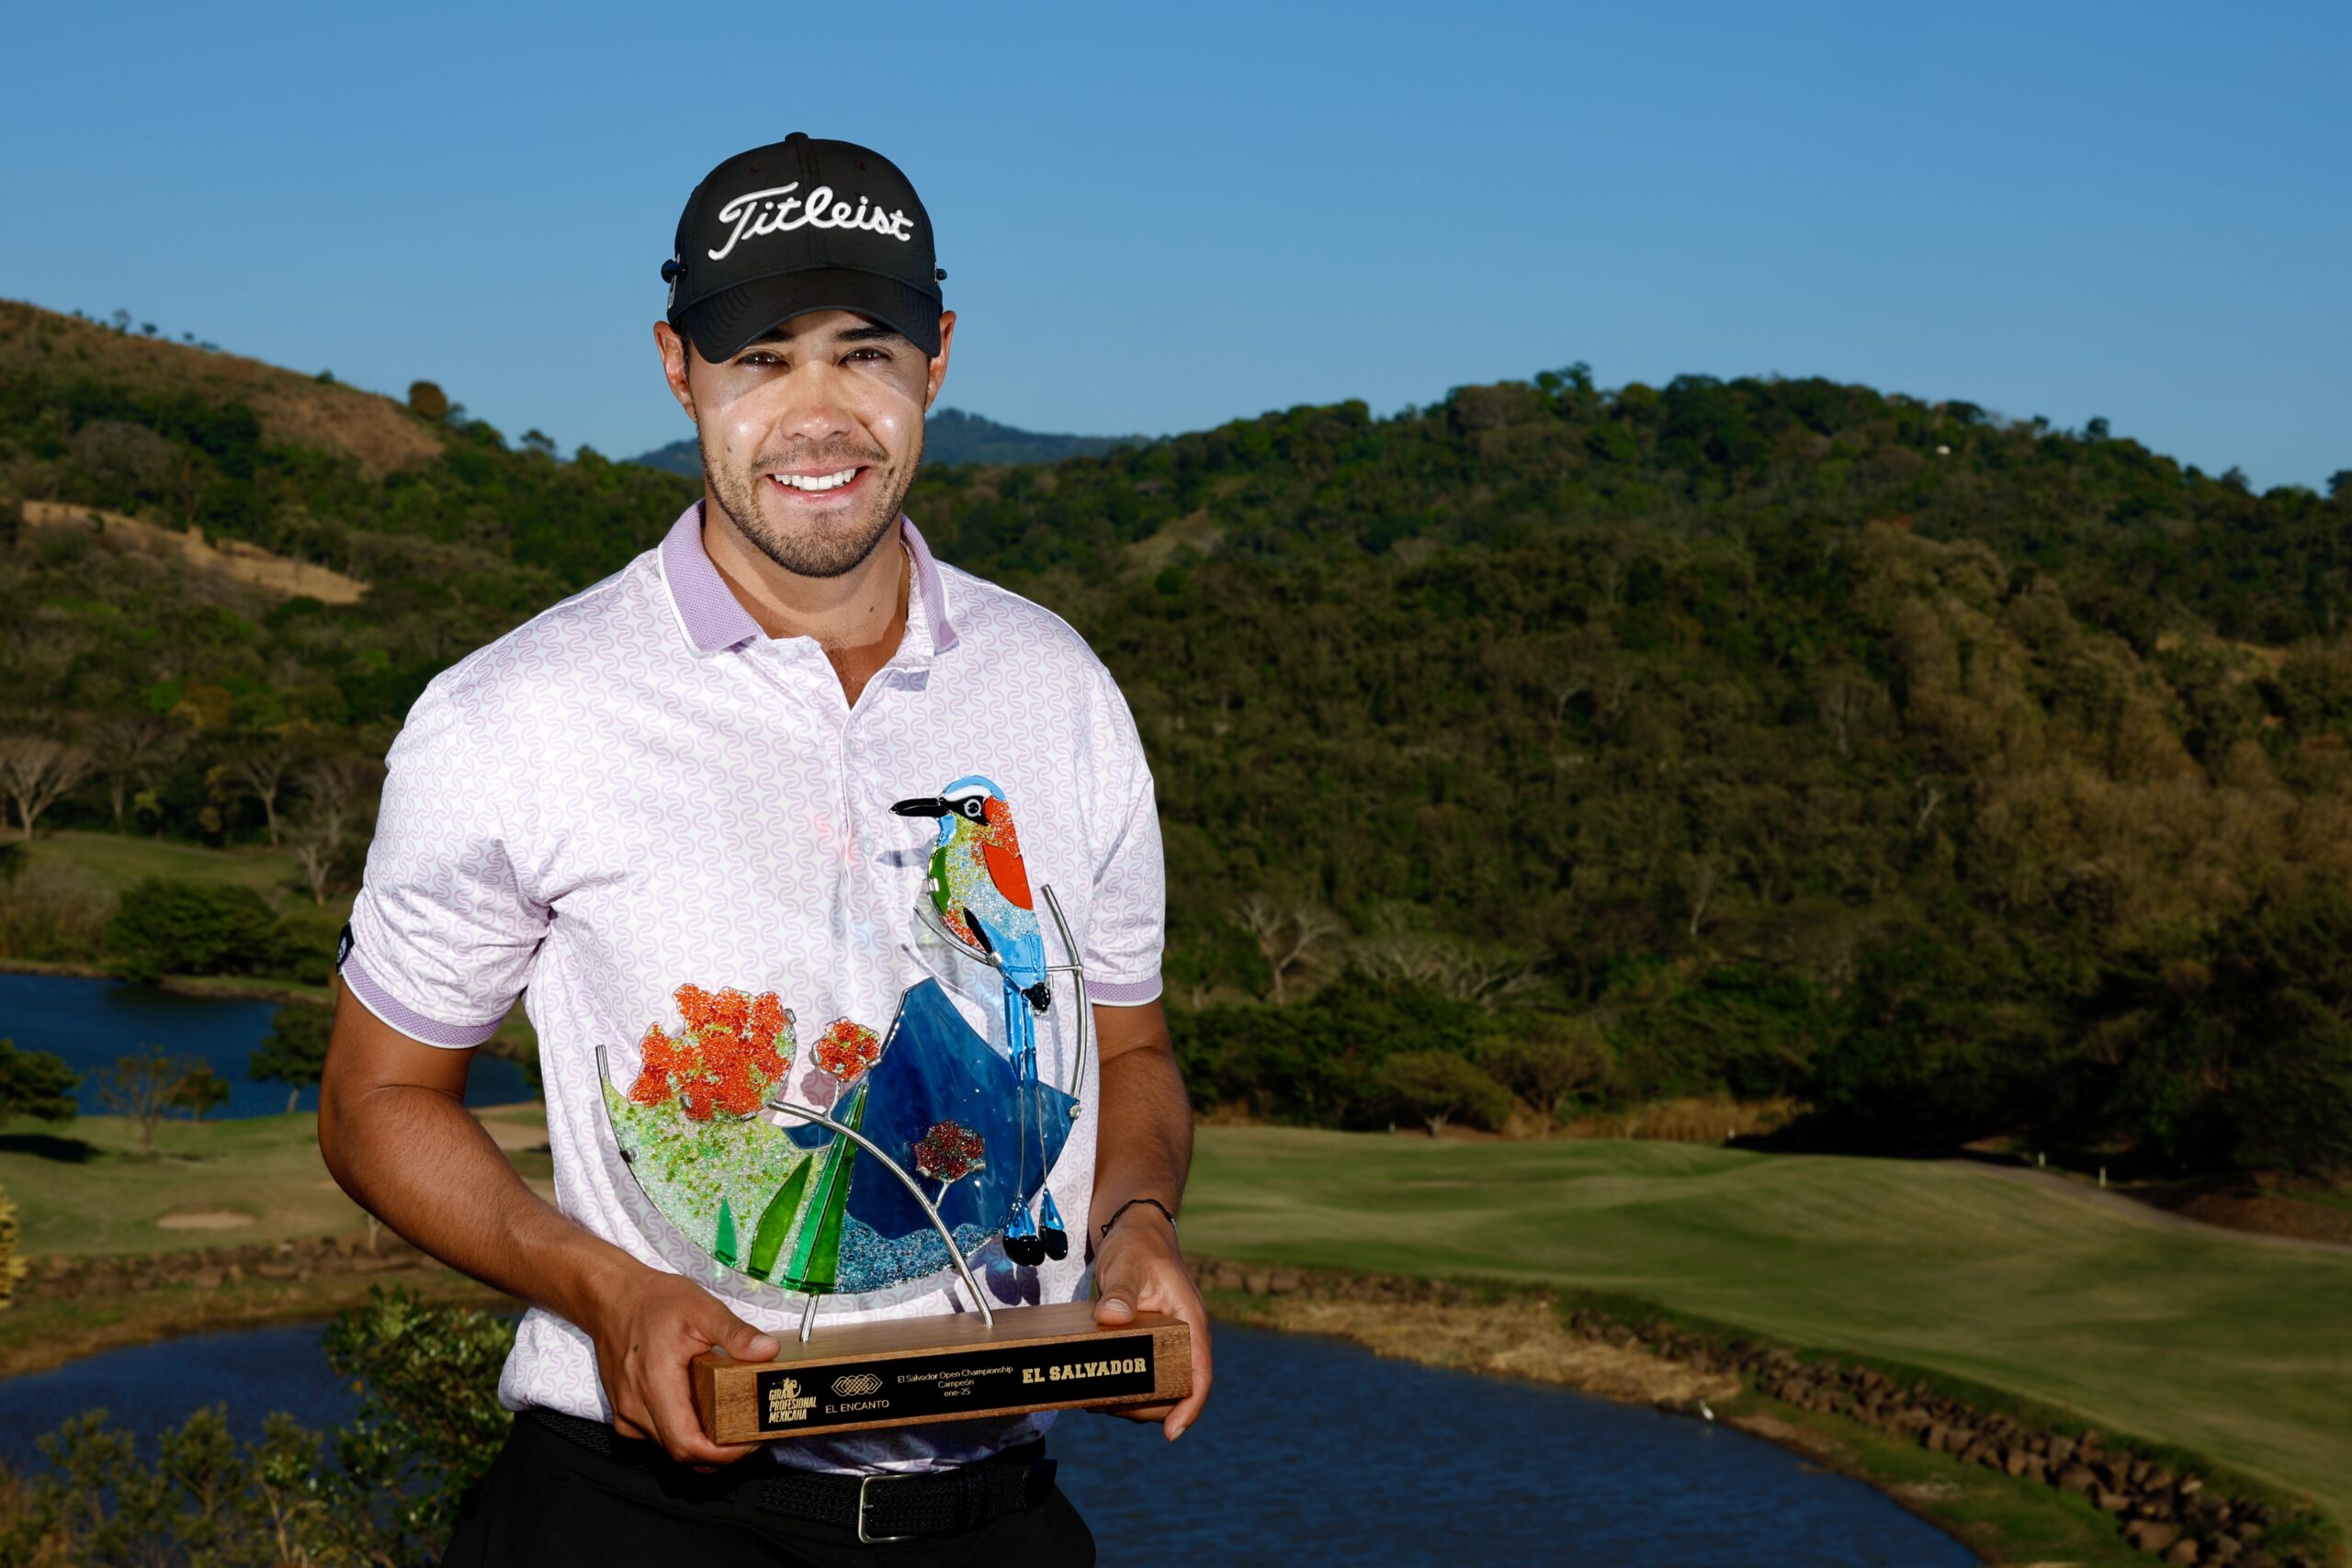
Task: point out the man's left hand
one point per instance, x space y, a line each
1137 1268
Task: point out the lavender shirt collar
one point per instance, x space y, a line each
715 619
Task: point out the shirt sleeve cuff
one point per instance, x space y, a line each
1122 993
407 1019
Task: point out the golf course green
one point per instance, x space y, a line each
2231 1346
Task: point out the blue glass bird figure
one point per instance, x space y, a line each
980 886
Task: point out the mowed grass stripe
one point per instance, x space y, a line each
2237 1349
117 861
109 1201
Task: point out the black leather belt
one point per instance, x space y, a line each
879 1508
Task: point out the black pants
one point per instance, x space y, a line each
547 1501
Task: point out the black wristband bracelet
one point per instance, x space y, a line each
1131 1203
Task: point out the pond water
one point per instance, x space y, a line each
1312 1452
92 1022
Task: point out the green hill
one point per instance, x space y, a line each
1548 745
951 437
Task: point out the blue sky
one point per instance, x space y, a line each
1159 218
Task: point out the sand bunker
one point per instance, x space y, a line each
204 1220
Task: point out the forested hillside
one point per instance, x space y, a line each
951 437
1549 746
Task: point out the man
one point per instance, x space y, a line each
684 777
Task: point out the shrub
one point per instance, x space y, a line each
294 1053
429 1424
51 911
168 926
429 1421
1436 1087
200 1089
12 1268
1318 1061
1554 1063
36 1084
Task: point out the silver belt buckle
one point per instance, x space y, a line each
864 1539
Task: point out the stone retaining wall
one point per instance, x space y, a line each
210 1268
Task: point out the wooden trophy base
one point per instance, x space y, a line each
944 1367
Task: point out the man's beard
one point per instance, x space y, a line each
833 550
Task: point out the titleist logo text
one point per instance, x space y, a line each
771 212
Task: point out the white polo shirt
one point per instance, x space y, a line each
638 789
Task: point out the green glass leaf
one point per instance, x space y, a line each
722 1247
776 1220
817 1256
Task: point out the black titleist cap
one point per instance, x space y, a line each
798 226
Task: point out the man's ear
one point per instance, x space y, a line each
675 351
938 371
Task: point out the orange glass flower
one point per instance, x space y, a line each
733 1045
846 1049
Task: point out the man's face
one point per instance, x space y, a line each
811 435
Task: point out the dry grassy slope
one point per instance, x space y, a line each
380 433
232 558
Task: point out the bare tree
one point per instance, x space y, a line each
140 1088
334 801
1702 876
1929 795
1290 937
261 765
35 771
1449 967
128 750
1846 700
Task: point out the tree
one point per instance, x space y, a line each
427 400
35 771
294 1053
1490 977
200 1089
36 1084
2239 1055
333 789
1847 700
1551 1064
1948 1040
142 1087
1291 938
260 764
429 1422
1435 1087
128 750
168 926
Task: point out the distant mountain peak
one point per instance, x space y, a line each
951 437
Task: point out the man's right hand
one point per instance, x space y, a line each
395 1131
646 1327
